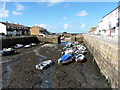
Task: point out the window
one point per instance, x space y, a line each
8 26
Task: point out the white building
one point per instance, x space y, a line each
13 29
3 28
109 24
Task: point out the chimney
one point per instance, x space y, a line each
6 21
18 23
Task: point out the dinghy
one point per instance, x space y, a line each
18 46
33 44
44 64
79 58
8 51
27 46
65 59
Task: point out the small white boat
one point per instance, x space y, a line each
69 44
69 51
27 46
33 44
79 58
44 64
18 46
81 47
76 43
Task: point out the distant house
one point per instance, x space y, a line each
93 30
13 29
109 25
35 30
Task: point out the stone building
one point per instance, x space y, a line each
109 25
13 29
35 30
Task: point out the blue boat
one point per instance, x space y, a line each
65 59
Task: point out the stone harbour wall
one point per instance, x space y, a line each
9 42
106 56
78 38
50 39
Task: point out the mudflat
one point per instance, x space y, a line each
18 71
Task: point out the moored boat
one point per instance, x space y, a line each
44 64
65 59
79 58
8 51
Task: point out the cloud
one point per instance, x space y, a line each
66 26
64 18
49 27
82 13
3 11
53 2
17 13
19 7
82 26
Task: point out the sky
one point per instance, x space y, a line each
57 17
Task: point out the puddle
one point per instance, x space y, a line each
47 78
64 42
59 50
42 56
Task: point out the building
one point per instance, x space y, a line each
93 30
109 25
35 30
13 29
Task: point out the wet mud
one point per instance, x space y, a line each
18 71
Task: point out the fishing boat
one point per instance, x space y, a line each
65 59
44 64
79 58
8 51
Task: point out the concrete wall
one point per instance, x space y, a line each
106 56
50 39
